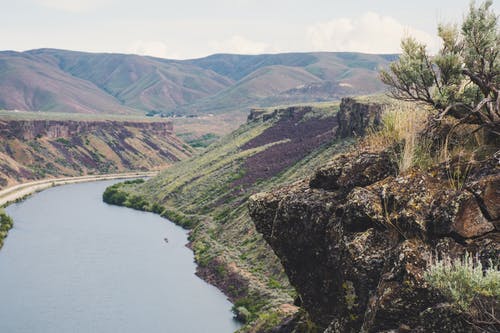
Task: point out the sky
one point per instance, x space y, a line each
185 29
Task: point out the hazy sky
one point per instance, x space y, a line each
194 28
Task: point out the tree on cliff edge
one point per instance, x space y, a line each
463 79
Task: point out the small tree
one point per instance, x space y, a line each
463 79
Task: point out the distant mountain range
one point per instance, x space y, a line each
69 81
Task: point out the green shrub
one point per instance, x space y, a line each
252 304
6 224
64 141
114 196
464 279
157 208
134 181
136 202
5 219
178 218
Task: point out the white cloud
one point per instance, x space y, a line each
75 6
369 33
239 45
152 48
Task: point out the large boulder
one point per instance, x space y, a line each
355 169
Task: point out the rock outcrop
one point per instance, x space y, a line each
53 129
355 118
355 240
278 114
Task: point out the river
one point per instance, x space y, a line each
75 264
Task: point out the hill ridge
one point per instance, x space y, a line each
55 80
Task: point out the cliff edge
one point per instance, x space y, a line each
356 237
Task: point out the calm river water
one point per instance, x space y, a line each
75 264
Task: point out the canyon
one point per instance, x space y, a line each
38 149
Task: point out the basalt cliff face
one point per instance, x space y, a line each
357 117
355 239
54 129
35 149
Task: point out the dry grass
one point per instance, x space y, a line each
462 148
401 125
423 144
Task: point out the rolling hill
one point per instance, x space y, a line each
77 82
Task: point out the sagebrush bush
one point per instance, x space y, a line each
464 279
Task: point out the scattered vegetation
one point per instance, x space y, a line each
98 148
402 125
469 285
6 224
204 141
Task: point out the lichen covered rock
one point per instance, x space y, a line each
350 170
355 241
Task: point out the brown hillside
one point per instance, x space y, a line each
36 149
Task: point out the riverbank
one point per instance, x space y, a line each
17 192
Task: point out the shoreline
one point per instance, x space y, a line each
17 192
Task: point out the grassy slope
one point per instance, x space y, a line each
209 191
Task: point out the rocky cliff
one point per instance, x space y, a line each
356 237
53 129
358 117
35 149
